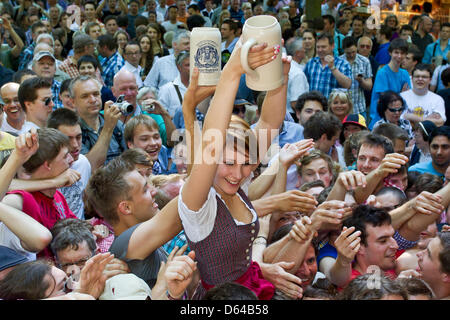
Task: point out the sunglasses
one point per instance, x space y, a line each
396 110
47 101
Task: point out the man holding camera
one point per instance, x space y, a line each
102 134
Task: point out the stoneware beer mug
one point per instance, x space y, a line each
257 30
205 54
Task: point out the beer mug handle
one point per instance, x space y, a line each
244 58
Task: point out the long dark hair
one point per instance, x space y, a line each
149 57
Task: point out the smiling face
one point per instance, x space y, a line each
308 269
38 110
340 107
421 79
381 247
12 107
148 139
429 265
369 158
232 172
142 197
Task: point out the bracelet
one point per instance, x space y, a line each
261 237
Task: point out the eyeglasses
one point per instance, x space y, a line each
396 110
367 46
80 263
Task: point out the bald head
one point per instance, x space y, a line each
125 83
14 112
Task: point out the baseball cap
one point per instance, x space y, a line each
239 102
355 118
10 258
126 286
38 56
427 127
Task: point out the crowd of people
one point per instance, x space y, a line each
123 178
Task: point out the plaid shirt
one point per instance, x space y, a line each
56 86
402 123
110 67
179 241
321 78
69 67
26 56
361 65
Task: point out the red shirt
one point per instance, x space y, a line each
45 210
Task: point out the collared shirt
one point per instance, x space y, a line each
69 67
26 56
90 137
110 67
136 71
402 123
231 46
434 50
321 78
169 97
56 86
164 70
361 65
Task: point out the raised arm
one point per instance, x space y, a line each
97 155
153 233
389 165
193 96
33 236
26 145
216 122
65 179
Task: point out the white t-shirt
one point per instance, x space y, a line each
8 128
199 224
74 193
423 106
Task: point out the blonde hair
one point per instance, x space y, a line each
162 179
344 96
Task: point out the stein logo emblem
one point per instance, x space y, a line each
207 55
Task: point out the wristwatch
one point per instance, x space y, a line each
332 69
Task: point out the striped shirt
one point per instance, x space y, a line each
321 78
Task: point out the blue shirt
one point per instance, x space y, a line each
383 56
385 80
321 78
425 167
290 132
436 47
